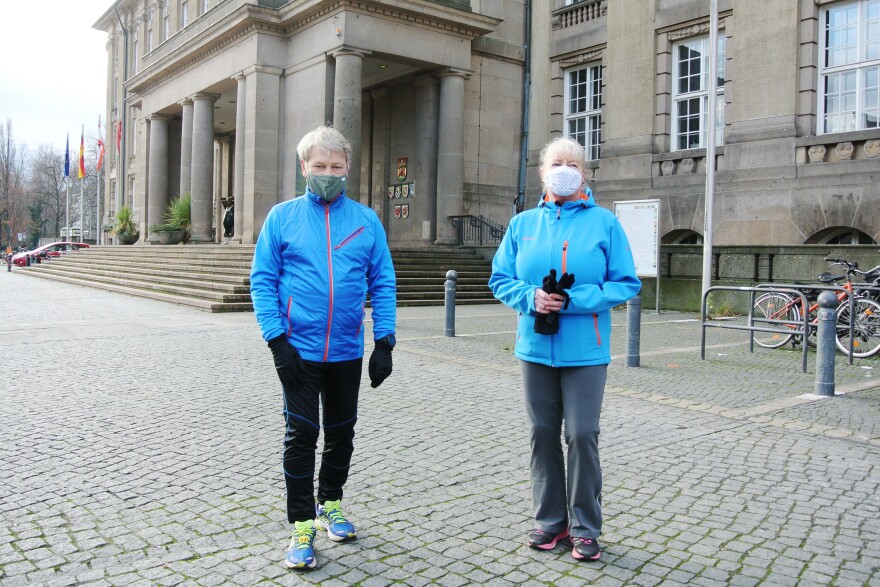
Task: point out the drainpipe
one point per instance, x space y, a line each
121 178
520 200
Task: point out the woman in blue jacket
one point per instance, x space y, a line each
562 266
316 259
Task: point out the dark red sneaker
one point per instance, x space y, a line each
585 549
546 540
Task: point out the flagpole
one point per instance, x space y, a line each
67 213
98 210
82 217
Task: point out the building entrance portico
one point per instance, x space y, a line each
220 108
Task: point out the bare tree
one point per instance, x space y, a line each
13 204
48 185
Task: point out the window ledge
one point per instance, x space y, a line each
685 154
839 137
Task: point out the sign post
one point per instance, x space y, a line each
641 223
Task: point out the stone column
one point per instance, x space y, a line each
186 136
261 148
202 166
157 196
425 171
238 175
348 109
450 155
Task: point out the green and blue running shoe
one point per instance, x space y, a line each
331 518
301 554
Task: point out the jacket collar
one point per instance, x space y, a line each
319 201
584 200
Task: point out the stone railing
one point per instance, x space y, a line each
578 13
832 148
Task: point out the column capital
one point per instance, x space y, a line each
205 96
454 71
349 51
262 69
239 76
424 79
159 116
185 102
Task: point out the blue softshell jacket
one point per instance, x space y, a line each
577 237
313 266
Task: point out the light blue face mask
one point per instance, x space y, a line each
326 186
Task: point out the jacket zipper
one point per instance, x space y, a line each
596 328
349 238
564 255
330 271
289 322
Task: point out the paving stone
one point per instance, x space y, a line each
715 471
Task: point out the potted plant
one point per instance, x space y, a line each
125 228
178 215
168 234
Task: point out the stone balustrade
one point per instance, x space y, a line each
579 13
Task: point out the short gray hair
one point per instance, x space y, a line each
564 145
326 138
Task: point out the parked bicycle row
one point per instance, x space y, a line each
857 314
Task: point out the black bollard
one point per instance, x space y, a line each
825 344
450 285
633 330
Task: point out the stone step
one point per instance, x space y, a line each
216 278
200 303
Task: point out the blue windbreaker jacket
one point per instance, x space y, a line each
313 266
578 237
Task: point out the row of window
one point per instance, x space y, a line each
183 20
849 83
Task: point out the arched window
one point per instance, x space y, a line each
840 235
682 237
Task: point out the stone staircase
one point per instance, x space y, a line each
215 278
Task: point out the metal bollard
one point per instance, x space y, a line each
633 330
451 283
825 344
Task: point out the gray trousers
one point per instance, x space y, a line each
572 395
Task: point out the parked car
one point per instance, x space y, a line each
46 251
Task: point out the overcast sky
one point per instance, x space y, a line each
53 69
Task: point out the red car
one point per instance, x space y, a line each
46 251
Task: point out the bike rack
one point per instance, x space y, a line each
858 289
751 324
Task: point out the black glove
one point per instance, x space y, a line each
565 282
549 323
380 363
288 362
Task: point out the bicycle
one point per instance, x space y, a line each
788 311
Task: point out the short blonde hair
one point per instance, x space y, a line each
326 138
565 146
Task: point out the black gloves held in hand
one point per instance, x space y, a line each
380 363
549 323
288 362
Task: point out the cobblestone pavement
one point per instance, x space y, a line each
140 445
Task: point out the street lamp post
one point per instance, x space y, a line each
712 108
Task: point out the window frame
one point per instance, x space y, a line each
701 94
862 65
184 14
592 116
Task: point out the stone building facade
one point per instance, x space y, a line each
448 102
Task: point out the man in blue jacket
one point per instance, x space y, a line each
316 259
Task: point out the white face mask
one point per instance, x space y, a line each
563 180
